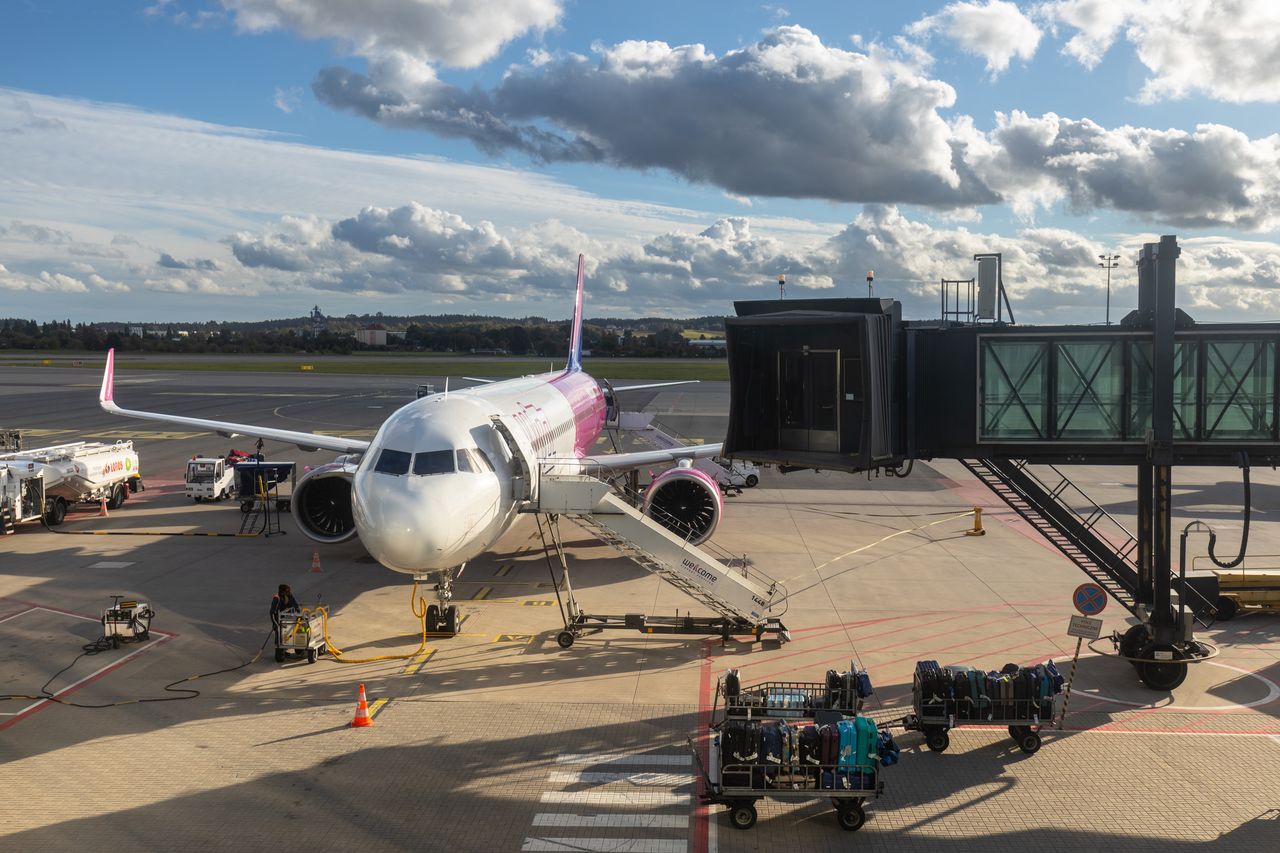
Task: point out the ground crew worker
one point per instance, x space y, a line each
282 600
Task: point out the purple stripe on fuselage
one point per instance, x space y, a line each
586 401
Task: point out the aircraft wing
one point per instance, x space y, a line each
620 388
619 462
304 440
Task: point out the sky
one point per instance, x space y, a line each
192 160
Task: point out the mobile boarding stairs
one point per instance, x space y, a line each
742 599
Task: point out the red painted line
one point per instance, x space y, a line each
702 811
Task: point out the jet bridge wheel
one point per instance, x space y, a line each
565 639
1133 641
1162 675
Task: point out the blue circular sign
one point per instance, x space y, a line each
1090 599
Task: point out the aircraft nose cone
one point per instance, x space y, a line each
396 527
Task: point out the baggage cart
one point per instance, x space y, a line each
739 785
934 716
300 634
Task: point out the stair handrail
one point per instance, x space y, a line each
732 562
1025 467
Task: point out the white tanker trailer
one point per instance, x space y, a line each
46 480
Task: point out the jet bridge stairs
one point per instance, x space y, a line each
744 600
1083 531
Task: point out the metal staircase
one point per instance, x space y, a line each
743 599
1075 524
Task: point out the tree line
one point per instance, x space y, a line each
533 336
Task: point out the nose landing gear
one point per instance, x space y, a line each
442 617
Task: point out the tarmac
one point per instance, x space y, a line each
498 740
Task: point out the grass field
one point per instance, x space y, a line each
426 366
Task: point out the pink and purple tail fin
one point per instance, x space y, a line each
575 334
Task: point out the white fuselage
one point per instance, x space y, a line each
435 487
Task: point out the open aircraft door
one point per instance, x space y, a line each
524 471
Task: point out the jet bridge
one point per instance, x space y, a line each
847 385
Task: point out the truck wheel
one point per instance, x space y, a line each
116 500
57 512
1227 607
752 481
198 498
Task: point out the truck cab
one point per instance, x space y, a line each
209 478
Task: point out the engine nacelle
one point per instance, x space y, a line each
322 502
686 501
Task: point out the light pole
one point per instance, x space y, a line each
1109 262
871 277
782 287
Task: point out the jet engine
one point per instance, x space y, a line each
322 502
686 501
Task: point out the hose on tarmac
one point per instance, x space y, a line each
417 603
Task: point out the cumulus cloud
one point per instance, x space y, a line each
1213 175
996 31
1223 49
787 116
1051 272
287 100
461 33
170 262
792 117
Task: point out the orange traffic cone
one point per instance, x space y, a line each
102 509
315 561
362 717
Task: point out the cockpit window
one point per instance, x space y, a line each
392 462
465 462
433 462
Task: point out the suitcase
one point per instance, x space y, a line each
862 684
835 688
887 750
964 702
739 745
772 738
829 745
732 684
849 743
868 748
791 704
809 751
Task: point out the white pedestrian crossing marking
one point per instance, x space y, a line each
584 777
596 821
617 798
604 759
606 845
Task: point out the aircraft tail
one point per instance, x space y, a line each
575 333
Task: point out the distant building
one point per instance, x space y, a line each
137 331
373 335
714 345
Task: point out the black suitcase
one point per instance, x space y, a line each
739 745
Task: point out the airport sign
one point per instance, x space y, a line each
1090 599
1084 628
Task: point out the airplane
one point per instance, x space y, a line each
446 475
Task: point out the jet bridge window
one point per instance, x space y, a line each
433 462
392 462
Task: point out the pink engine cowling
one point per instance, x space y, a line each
686 501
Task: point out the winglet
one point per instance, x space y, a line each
108 379
575 333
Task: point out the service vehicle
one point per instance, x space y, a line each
1252 589
43 482
211 478
731 473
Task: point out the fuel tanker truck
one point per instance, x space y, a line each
45 481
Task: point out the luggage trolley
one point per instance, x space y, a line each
744 769
300 634
944 698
